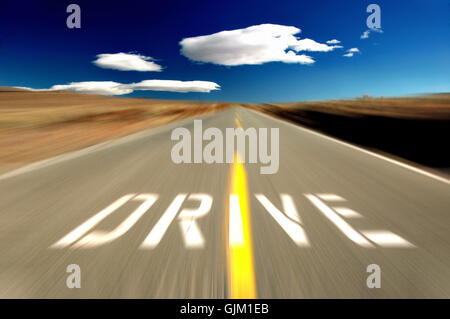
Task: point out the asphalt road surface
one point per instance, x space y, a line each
140 226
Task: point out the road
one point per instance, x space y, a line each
344 209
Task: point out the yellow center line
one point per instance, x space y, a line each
238 123
241 271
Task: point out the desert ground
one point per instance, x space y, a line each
413 129
39 125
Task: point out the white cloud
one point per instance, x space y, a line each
311 45
94 87
351 52
126 62
334 41
257 44
175 86
366 33
114 88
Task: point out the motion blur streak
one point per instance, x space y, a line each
242 278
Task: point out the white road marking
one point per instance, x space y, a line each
347 212
236 228
386 238
288 219
158 231
331 197
412 168
289 207
192 235
97 238
91 222
343 226
294 230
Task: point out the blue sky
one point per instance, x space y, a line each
410 56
